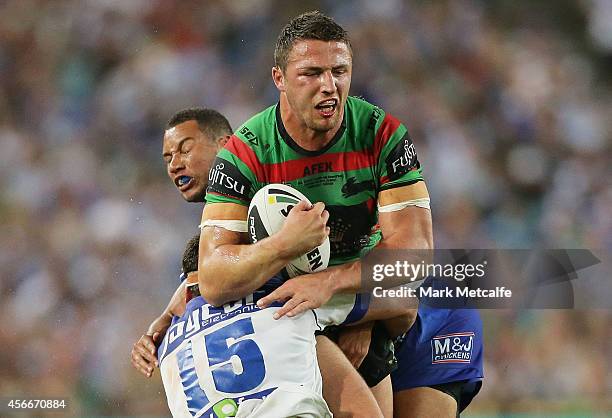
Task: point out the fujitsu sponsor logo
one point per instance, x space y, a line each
407 159
216 177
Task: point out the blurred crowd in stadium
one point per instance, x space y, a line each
509 106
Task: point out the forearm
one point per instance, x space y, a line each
160 324
348 278
397 314
345 278
230 267
233 271
176 307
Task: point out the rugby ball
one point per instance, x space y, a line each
267 213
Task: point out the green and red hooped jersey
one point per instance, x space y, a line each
371 152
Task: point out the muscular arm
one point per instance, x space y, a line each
143 351
176 307
397 314
231 268
409 228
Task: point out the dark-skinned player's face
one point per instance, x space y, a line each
188 154
316 82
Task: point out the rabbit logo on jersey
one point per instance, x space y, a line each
452 348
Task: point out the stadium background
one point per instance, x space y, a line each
509 105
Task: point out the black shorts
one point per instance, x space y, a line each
380 360
462 391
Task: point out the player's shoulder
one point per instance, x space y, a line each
369 119
368 115
360 106
259 129
257 137
362 113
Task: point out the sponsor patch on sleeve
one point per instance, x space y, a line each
452 348
402 159
225 178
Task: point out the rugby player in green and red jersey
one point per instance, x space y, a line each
191 139
356 161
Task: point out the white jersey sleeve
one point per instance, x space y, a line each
342 309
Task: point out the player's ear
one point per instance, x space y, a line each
222 141
278 78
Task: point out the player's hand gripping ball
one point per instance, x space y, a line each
267 213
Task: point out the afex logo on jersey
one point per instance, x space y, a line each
315 168
452 348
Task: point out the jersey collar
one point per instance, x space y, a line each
294 146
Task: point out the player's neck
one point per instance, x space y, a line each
305 137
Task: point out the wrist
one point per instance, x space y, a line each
345 278
280 248
330 282
161 324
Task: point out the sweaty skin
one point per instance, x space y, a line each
317 72
313 90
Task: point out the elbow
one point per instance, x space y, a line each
210 290
406 320
424 242
401 324
212 296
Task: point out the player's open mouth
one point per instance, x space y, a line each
183 182
327 108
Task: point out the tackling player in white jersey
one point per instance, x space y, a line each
237 360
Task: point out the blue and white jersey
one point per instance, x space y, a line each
213 360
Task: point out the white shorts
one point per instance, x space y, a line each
286 401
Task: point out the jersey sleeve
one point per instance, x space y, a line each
398 163
342 309
233 175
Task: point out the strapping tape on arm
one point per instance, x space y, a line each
230 225
394 207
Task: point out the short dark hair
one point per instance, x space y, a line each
190 255
210 122
309 25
